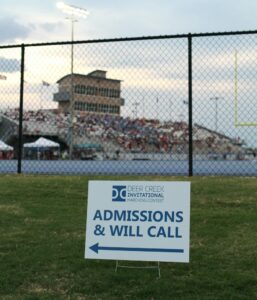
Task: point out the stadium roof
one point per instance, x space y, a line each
97 74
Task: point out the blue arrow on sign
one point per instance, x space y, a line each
96 248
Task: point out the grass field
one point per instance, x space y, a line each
42 236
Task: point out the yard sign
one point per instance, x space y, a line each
133 220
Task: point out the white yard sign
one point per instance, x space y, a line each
133 220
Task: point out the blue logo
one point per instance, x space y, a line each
119 193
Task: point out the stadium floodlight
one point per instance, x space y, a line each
73 12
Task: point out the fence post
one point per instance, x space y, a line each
21 109
190 108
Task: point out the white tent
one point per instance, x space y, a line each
5 147
42 143
43 148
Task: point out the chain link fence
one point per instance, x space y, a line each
167 105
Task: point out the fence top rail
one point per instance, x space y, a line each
141 38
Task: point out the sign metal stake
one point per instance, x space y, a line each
137 267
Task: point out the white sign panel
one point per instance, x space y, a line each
133 220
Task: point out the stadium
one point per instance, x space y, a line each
99 132
128 165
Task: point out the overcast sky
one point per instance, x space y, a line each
40 21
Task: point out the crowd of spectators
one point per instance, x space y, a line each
124 133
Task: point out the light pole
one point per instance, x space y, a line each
143 104
157 108
216 110
136 104
170 107
73 12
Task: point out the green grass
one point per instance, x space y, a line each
42 237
